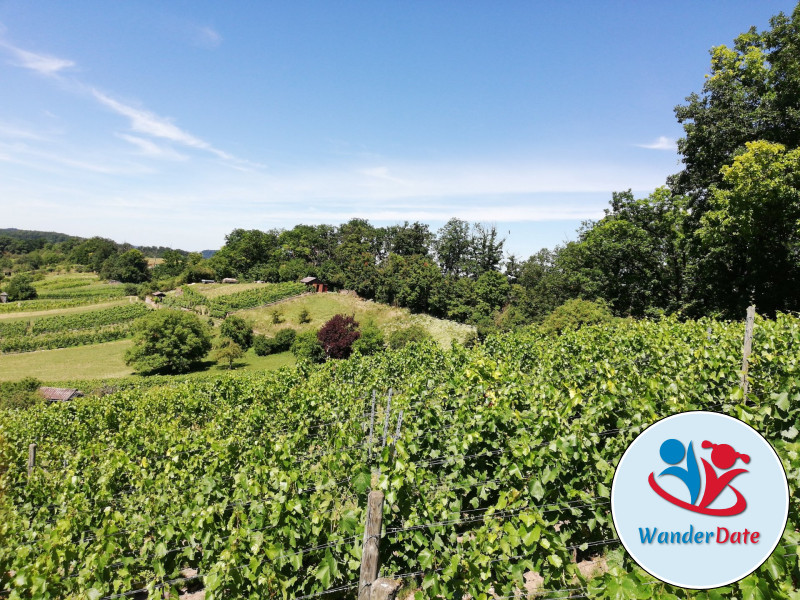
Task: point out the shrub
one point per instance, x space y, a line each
304 316
408 335
277 317
282 342
576 313
337 336
306 346
237 329
20 287
263 346
168 341
284 339
371 340
20 394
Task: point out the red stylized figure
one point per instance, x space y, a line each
724 457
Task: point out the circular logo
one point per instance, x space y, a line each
700 500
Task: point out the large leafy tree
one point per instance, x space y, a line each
749 239
20 287
751 93
128 267
168 341
237 329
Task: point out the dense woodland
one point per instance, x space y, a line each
722 233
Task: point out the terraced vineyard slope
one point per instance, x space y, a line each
497 478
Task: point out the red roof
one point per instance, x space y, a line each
59 394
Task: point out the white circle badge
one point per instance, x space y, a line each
700 500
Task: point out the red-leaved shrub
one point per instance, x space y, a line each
337 336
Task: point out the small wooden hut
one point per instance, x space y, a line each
53 394
318 286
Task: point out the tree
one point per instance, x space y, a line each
337 336
486 251
238 330
453 245
306 346
752 93
227 350
94 252
128 267
749 239
20 287
168 341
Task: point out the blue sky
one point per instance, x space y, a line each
172 123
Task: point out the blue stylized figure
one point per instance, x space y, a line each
672 452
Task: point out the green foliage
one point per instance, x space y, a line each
20 394
20 287
128 267
168 341
749 236
304 316
227 350
408 335
220 306
503 465
276 317
238 330
752 93
371 340
574 314
306 347
282 342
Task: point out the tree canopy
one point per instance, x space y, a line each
168 341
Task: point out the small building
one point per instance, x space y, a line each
114 282
3 297
207 281
318 286
53 394
158 296
230 280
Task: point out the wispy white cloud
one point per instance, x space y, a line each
153 125
207 37
41 63
151 149
11 131
662 143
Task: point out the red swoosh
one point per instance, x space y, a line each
737 508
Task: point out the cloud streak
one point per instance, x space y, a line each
41 63
151 149
662 143
151 124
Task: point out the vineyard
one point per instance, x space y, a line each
64 331
77 287
496 463
220 305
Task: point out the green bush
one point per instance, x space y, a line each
574 314
408 335
371 340
20 394
263 346
306 346
304 316
282 342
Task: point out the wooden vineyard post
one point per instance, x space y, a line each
370 548
371 426
386 418
748 346
31 459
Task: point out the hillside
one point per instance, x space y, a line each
496 467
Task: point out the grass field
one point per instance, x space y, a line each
107 361
322 307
